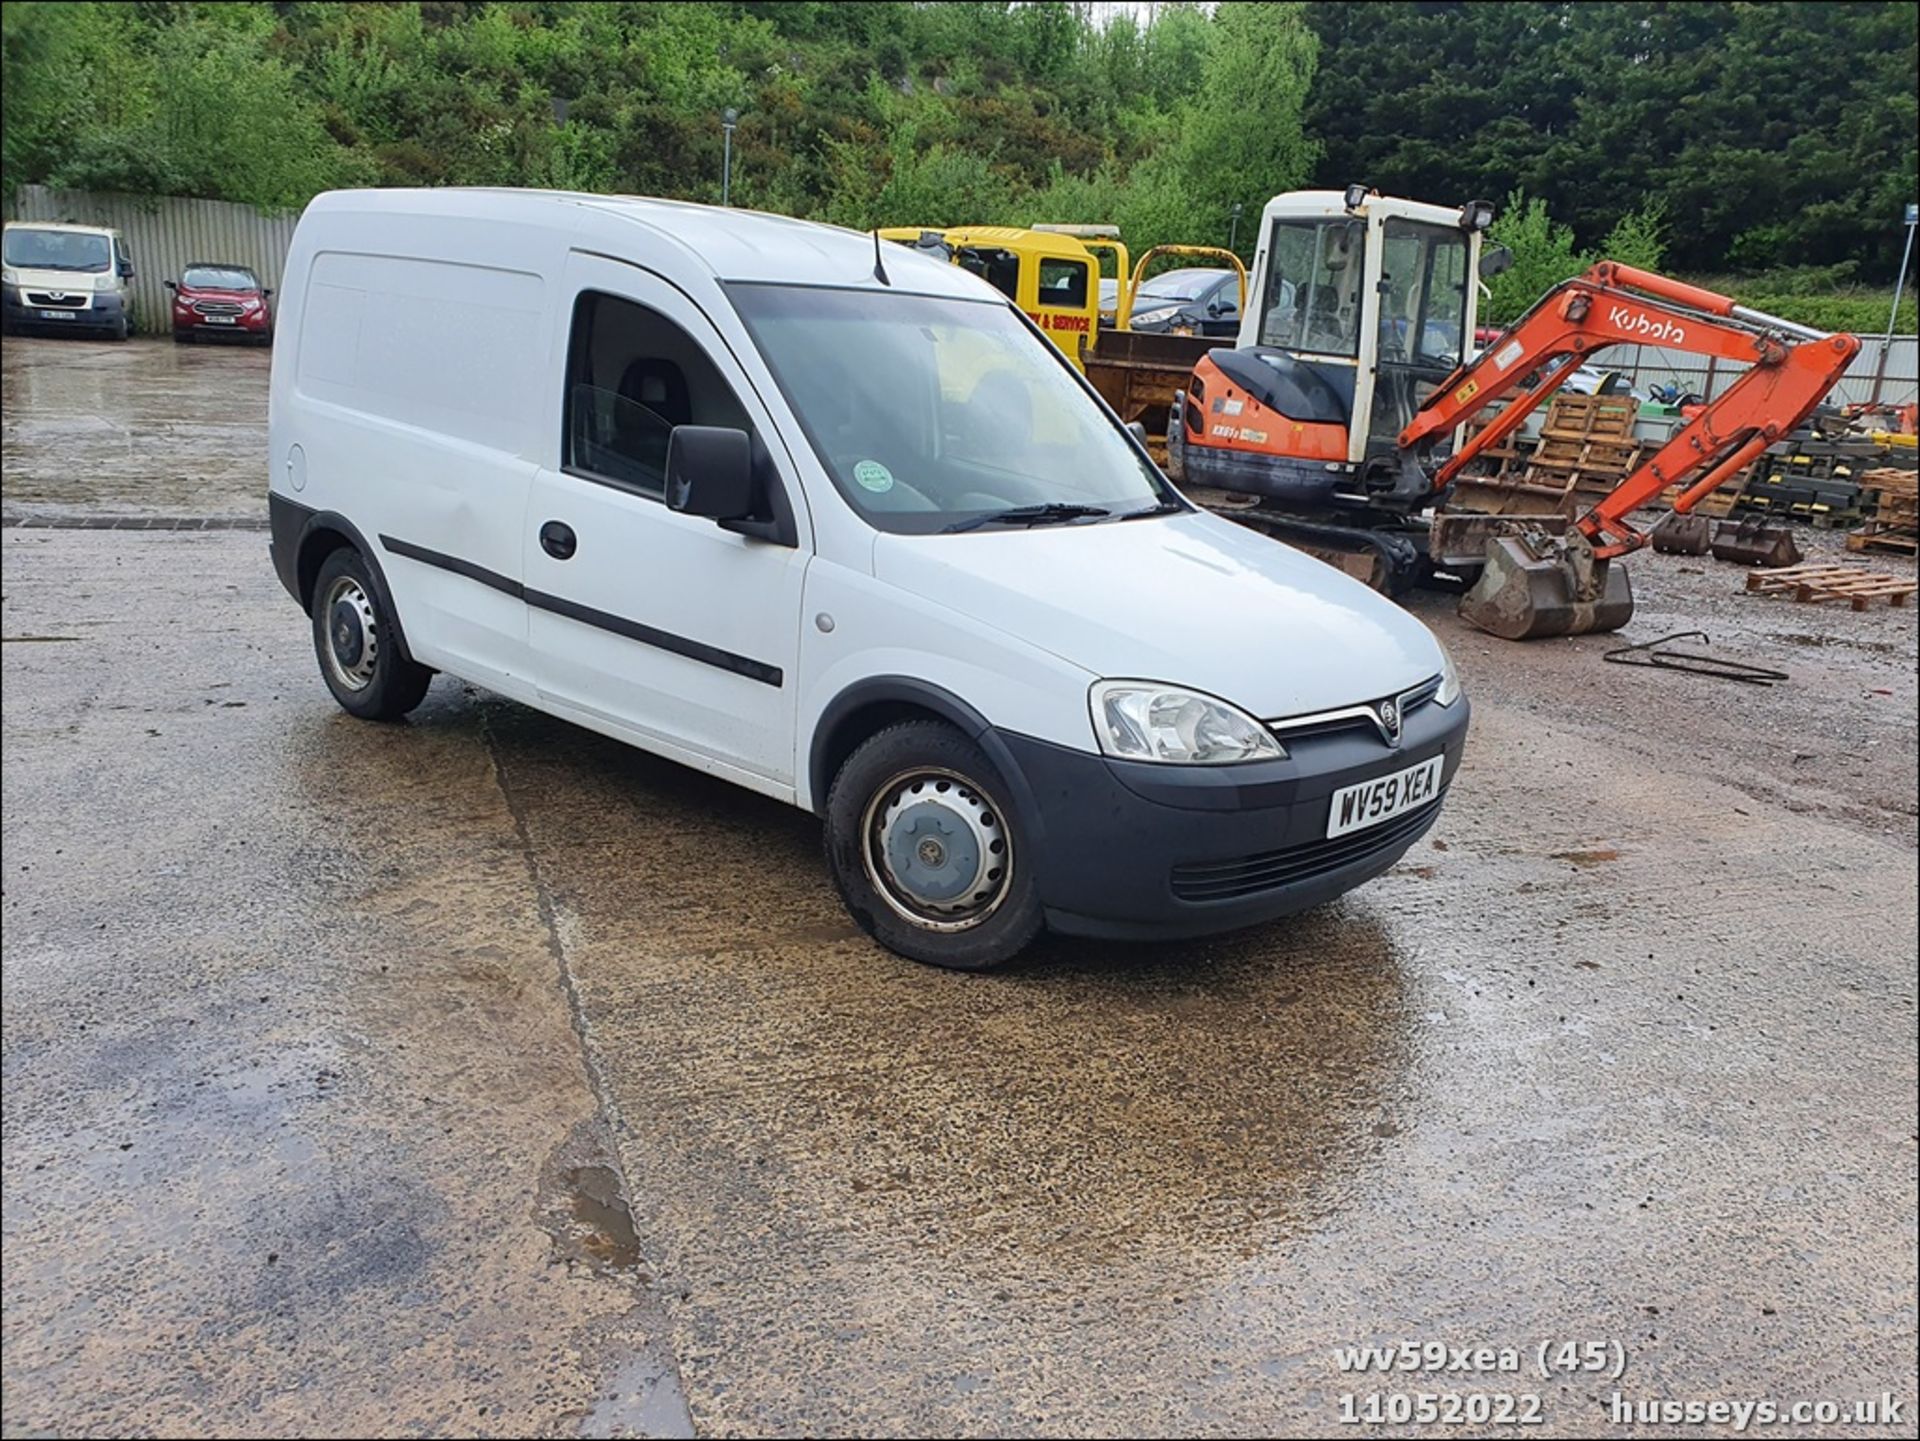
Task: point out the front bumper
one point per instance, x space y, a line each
1126 850
102 312
251 324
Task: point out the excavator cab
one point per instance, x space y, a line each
1362 300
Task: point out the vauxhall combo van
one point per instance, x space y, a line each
833 521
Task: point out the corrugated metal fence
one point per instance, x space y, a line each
1880 372
166 235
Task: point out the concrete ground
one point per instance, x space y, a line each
478 1074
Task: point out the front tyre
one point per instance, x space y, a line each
925 853
353 638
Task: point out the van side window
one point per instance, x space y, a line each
632 376
1063 283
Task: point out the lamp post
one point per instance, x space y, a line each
1233 226
728 119
1912 218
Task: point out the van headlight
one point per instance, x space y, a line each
1140 721
1449 691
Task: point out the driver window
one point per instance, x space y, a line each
999 268
632 376
1400 282
1063 283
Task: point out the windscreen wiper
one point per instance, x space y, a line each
1052 513
1160 507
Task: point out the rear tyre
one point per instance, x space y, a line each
353 637
926 854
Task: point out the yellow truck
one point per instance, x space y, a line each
1053 274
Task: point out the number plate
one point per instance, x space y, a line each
58 314
221 319
1371 802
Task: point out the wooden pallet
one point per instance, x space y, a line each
1890 481
1869 538
1500 462
1587 446
1859 585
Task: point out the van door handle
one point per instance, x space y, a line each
557 540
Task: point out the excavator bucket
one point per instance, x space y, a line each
1682 534
1754 542
1536 584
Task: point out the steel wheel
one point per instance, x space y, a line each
935 850
352 649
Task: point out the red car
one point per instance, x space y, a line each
221 300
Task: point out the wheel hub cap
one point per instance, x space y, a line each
353 642
937 851
933 852
349 641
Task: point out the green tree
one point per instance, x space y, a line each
1765 138
1544 254
1242 138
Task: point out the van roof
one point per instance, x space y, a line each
726 244
61 225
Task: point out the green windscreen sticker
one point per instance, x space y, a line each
872 475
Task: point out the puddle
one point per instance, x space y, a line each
603 1226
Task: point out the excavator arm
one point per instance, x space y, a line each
1792 369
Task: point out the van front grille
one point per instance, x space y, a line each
1268 870
55 299
1360 717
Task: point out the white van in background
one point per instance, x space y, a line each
70 278
830 520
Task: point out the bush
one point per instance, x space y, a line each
1544 254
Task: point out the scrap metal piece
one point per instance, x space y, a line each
1537 584
1754 542
1679 534
1648 656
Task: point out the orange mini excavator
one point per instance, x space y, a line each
1340 409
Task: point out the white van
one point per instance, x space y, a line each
833 521
72 278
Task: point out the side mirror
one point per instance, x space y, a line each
265 293
1495 260
1138 432
172 285
1222 307
710 472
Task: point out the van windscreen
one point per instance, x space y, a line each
929 412
29 249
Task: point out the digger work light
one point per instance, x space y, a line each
1476 215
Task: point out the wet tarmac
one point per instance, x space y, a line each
481 1074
